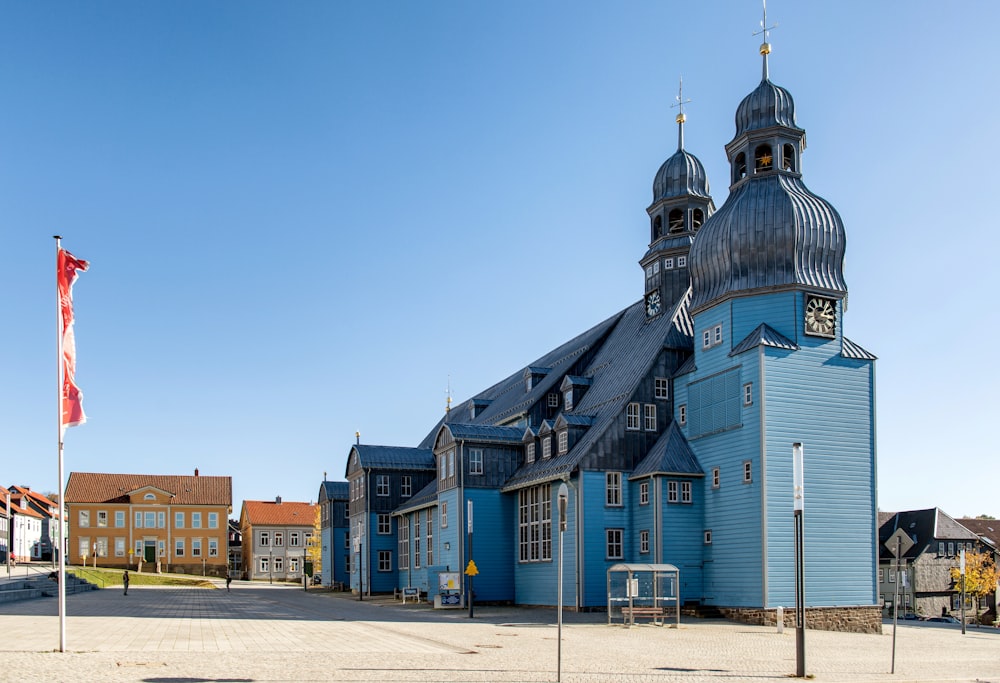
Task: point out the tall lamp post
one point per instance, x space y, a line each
798 495
562 498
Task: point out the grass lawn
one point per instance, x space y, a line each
113 577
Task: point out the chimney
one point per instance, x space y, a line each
277 500
196 471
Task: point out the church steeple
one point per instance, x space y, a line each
681 205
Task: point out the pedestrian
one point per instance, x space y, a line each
229 580
125 581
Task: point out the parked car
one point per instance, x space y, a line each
947 619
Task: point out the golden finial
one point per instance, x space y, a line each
765 47
681 118
447 403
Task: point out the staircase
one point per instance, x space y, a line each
40 585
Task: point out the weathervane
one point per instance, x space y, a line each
447 406
681 118
765 47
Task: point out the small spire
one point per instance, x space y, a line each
765 47
447 403
680 113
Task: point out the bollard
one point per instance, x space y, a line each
780 619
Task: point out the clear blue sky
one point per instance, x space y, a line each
303 218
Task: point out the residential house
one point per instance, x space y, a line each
335 530
927 589
673 423
27 526
988 531
150 522
235 548
275 536
49 510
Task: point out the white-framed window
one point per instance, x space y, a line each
279 564
614 543
265 538
748 394
881 576
613 489
102 518
682 261
406 486
161 520
563 441
661 388
293 539
649 272
475 461
384 560
149 496
716 477
293 564
403 534
534 510
546 446
668 263
717 334
382 485
84 546
429 535
685 492
444 514
451 463
265 566
179 547
644 541
138 548
279 538
951 548
553 399
195 547
747 472
384 524
178 520
213 520
649 417
119 519
529 452
213 547
656 267
83 519
708 537
120 547
682 414
149 520
706 339
416 540
102 546
672 495
443 466
644 493
568 400
195 520
632 416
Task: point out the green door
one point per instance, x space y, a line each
149 551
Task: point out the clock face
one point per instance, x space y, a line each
821 316
652 303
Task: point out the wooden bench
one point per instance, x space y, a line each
654 613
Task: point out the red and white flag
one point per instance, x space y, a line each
67 267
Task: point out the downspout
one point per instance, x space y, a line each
657 518
763 477
579 544
367 533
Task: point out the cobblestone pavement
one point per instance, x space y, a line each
261 633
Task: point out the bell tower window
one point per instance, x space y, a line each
676 219
763 159
740 167
658 227
788 157
697 218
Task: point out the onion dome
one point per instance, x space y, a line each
681 175
768 105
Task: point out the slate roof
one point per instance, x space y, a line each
671 454
485 433
925 527
626 356
852 350
337 490
92 487
988 530
285 513
393 457
425 497
764 335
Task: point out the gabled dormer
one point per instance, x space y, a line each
573 388
532 374
530 442
149 495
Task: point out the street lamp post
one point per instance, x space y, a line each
270 566
562 499
798 495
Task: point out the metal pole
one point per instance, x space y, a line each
471 611
895 603
563 497
61 583
962 560
798 477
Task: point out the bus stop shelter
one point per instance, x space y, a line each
644 591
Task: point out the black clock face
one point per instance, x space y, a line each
652 303
821 316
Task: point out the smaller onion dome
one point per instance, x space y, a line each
681 175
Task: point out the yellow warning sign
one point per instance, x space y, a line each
471 570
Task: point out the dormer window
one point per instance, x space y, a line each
527 383
788 157
676 220
739 167
763 159
529 452
149 496
568 400
546 447
563 442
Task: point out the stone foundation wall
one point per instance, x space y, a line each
859 619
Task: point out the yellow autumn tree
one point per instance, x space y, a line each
981 577
314 547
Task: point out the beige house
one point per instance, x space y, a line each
275 538
149 522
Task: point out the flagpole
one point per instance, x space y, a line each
61 576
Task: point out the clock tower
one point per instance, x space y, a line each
681 205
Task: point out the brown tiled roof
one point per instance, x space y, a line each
92 487
287 513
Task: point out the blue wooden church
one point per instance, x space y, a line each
671 422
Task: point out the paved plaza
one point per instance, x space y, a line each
262 633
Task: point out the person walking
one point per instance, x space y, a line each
125 581
229 580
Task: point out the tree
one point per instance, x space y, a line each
981 577
314 547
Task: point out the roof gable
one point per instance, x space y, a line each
764 335
672 455
92 487
273 513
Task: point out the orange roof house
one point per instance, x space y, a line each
275 538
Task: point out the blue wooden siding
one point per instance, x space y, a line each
537 583
494 548
598 518
681 537
327 555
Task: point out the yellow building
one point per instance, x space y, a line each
150 522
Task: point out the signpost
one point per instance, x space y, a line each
898 544
562 498
798 508
471 571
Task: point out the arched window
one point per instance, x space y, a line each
763 159
740 167
788 157
676 220
697 218
657 227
